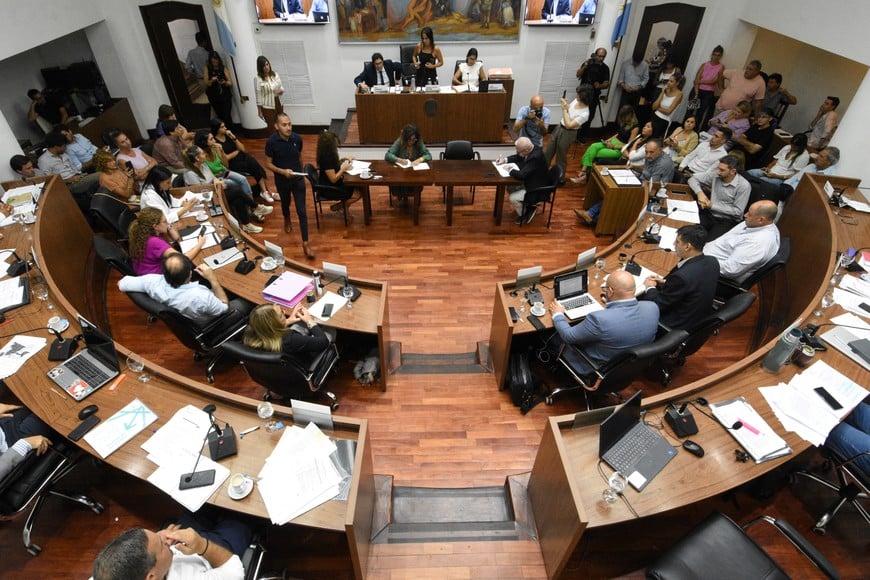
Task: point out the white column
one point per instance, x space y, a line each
245 62
851 136
8 148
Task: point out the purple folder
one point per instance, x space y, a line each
288 290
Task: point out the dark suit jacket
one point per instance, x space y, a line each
563 7
303 347
686 297
533 170
370 76
293 7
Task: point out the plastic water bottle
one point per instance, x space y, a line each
782 351
315 279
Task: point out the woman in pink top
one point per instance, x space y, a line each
708 81
150 235
141 161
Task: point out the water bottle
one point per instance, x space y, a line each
315 279
782 351
413 84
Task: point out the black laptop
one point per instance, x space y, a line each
90 369
632 448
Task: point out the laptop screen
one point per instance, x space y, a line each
571 284
619 423
100 344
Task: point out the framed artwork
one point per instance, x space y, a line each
399 21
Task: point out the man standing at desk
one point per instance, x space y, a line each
378 72
623 324
532 170
722 196
686 295
533 121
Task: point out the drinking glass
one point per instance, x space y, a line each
19 217
40 291
623 258
265 410
827 300
347 292
617 486
207 197
137 364
600 264
664 183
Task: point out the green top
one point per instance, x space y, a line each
395 152
215 165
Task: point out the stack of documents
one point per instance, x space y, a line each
853 291
801 410
624 178
190 240
683 211
299 474
755 435
840 336
358 167
174 448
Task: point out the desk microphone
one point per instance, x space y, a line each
221 442
651 234
245 265
217 262
196 478
18 266
633 267
61 348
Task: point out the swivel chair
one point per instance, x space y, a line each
546 194
719 549
852 486
727 287
113 214
205 339
617 373
461 150
323 193
33 481
113 255
283 375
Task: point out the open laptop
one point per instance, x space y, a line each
90 369
572 292
631 447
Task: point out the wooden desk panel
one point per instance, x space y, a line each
118 116
620 205
476 117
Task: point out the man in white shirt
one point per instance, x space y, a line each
749 245
704 157
55 160
722 195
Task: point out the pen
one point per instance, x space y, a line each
250 430
749 427
58 393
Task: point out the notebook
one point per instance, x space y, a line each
631 447
572 292
288 289
90 369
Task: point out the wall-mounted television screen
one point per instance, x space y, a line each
292 11
560 12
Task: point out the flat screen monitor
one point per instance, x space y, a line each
292 11
560 12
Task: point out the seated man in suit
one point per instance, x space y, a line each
176 289
554 8
532 171
377 72
20 431
623 324
749 245
284 8
686 295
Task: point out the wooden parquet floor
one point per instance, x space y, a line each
427 430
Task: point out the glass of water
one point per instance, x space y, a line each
617 486
265 410
600 264
137 364
347 292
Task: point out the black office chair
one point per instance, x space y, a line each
115 215
284 375
113 255
546 194
33 481
718 548
461 150
323 193
617 373
852 486
252 559
735 307
204 339
727 287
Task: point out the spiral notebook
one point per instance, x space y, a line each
754 434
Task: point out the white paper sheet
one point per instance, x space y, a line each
683 211
328 297
505 168
17 351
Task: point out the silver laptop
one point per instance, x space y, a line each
630 447
92 368
572 292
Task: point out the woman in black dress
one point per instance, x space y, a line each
427 58
332 169
218 86
238 158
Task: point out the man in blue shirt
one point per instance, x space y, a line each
533 120
78 147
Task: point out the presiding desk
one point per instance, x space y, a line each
442 173
62 240
440 117
565 486
620 204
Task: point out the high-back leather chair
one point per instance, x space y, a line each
113 255
324 192
460 150
545 195
113 214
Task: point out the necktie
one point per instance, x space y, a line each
381 74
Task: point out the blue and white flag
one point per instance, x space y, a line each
621 24
223 24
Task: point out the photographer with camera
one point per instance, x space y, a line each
533 121
597 74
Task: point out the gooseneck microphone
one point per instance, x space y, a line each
196 478
651 234
633 267
18 266
61 348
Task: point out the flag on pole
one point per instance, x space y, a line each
223 24
621 23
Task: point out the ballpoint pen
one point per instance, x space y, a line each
249 430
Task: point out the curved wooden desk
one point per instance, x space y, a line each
565 487
63 245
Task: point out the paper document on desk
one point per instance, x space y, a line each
421 166
505 168
168 475
338 302
624 178
24 195
16 352
851 302
185 431
855 285
12 292
839 337
358 167
683 211
639 286
668 237
299 474
190 240
6 256
855 204
223 258
112 433
755 435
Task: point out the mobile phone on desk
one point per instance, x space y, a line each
514 315
327 310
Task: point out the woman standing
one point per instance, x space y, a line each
119 182
470 72
218 86
574 114
332 169
268 88
427 58
611 148
150 237
708 81
141 161
665 104
239 160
